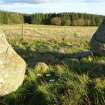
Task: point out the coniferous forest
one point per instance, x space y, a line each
61 19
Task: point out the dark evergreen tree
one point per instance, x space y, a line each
66 19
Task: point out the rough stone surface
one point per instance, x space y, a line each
84 54
98 40
41 67
12 67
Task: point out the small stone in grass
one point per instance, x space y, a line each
52 80
41 68
48 75
39 75
74 60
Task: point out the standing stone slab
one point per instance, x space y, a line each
12 67
98 40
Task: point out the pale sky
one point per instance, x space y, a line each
50 6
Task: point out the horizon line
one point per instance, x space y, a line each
50 12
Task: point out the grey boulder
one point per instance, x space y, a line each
97 42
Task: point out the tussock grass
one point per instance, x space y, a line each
66 81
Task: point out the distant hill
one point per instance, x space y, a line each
62 19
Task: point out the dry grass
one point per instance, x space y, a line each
55 46
42 32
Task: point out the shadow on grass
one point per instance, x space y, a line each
92 68
29 94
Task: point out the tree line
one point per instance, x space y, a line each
67 19
11 18
61 19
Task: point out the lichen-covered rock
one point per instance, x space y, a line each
12 67
41 68
98 40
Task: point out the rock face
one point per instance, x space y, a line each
12 67
98 40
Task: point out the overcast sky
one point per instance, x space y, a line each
47 6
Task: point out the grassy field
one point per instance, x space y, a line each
53 76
